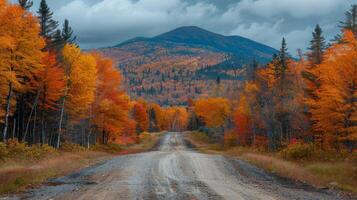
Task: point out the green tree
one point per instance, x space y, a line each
25 4
48 25
317 47
67 33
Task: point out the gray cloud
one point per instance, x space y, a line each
101 23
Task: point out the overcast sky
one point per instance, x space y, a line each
100 23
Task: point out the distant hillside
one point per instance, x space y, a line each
183 63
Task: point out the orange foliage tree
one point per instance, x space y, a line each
141 117
20 54
335 108
214 111
110 108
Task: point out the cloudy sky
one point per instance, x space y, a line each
100 23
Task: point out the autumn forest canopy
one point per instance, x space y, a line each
53 93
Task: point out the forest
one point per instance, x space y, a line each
52 92
54 96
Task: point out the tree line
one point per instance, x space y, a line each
312 99
52 92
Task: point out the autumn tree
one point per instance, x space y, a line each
49 83
213 111
20 54
79 91
110 109
335 108
141 117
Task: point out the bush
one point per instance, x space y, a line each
16 148
3 151
38 151
72 147
298 151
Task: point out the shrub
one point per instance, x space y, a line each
38 151
3 151
230 138
72 147
298 151
16 148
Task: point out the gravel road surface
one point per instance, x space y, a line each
174 171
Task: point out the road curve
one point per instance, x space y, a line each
175 172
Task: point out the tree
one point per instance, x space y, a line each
242 120
110 109
213 111
335 109
67 33
48 25
20 54
350 22
79 91
140 116
25 4
50 82
317 47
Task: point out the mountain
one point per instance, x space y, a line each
197 37
185 62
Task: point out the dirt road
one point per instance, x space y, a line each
175 172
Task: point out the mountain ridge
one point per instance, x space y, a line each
185 63
198 37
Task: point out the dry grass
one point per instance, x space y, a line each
16 175
337 173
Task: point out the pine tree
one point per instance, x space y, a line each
283 63
67 33
315 57
25 4
317 47
48 25
350 23
351 20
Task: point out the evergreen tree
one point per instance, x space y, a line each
67 33
283 63
317 47
315 57
25 4
48 25
351 20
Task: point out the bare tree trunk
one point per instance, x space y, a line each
61 119
29 120
7 113
35 139
89 126
14 129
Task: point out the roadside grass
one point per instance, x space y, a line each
20 172
336 172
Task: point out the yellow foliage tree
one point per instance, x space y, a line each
20 54
213 111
